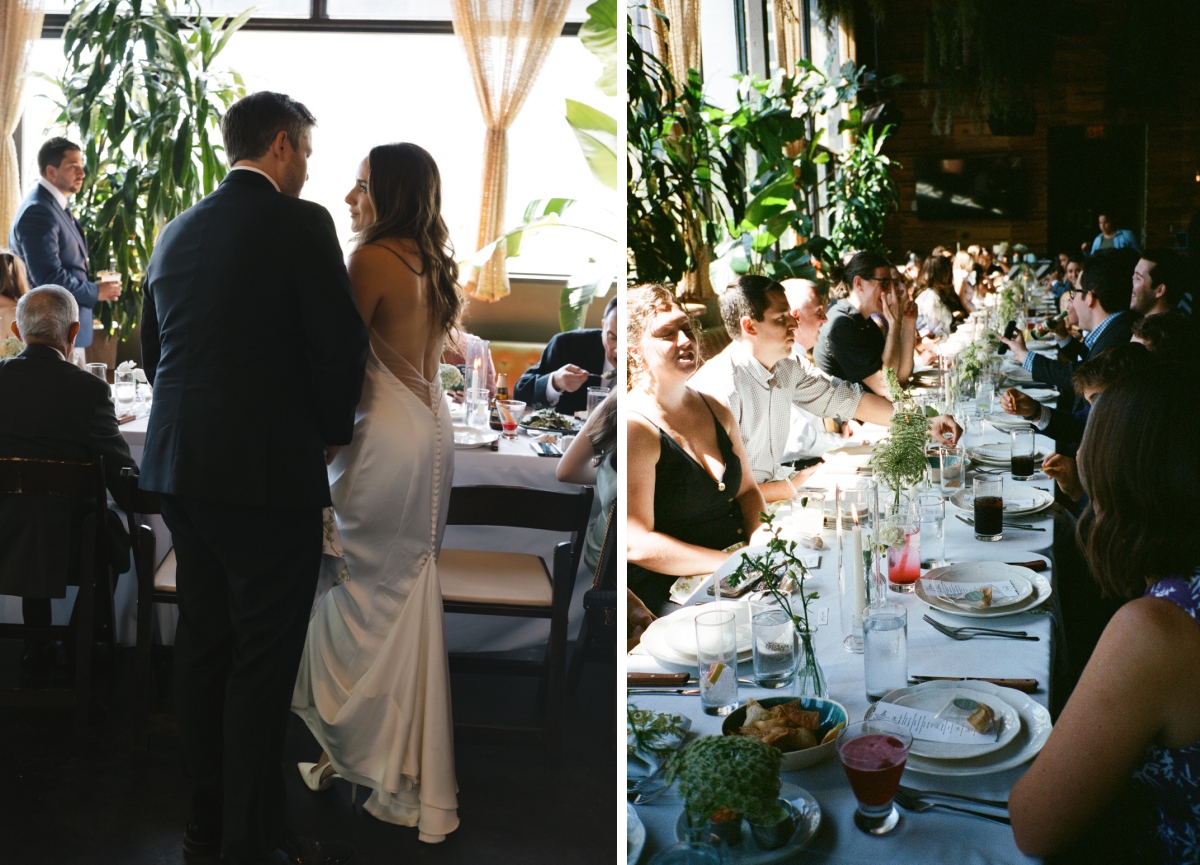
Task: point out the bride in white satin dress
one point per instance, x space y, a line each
374 683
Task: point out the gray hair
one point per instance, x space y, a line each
46 314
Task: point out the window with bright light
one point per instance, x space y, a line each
372 88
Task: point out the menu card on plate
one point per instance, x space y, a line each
1001 589
925 725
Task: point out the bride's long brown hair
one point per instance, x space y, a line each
405 189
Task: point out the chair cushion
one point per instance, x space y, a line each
164 577
486 577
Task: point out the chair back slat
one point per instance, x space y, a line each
137 500
519 507
34 477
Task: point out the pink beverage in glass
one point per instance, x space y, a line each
873 754
510 411
904 563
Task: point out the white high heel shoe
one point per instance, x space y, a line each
320 781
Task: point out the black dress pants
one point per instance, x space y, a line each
245 582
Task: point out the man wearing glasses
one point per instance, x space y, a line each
851 346
48 238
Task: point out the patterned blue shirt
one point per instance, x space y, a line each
1088 340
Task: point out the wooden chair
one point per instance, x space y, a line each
155 585
518 584
598 634
84 482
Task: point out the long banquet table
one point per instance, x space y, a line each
934 836
513 464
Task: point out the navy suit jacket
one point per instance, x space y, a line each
585 349
1057 373
52 245
255 347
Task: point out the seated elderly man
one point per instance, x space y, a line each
52 410
572 362
759 379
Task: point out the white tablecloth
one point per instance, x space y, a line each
514 464
935 836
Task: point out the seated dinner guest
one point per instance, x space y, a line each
572 362
1172 336
50 240
1116 781
691 492
51 409
759 380
1160 281
591 458
1101 307
13 284
851 346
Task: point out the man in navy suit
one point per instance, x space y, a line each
50 241
572 362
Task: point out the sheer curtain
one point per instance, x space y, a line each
789 34
20 24
507 41
677 44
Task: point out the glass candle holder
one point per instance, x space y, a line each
856 506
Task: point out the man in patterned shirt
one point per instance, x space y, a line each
759 379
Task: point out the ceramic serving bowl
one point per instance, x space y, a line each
831 714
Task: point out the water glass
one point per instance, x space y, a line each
477 410
510 411
931 511
989 508
873 754
99 370
776 645
595 396
953 468
808 514
1023 447
855 522
985 396
885 649
124 388
716 661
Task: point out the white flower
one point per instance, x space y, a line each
10 347
451 377
126 366
891 536
139 375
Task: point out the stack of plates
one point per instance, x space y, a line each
1033 589
469 437
998 455
1020 500
1004 421
1026 728
1041 394
672 639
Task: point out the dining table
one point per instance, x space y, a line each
934 836
513 463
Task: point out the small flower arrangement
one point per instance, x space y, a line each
899 460
10 347
736 774
452 378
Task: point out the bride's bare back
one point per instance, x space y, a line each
393 298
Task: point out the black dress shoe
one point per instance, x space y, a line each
202 839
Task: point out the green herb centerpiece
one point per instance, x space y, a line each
899 460
779 563
725 778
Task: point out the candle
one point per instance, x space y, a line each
860 585
474 377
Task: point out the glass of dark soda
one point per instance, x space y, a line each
989 508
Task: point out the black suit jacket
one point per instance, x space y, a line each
1057 373
584 348
51 409
255 348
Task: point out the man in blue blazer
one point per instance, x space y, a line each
572 362
49 239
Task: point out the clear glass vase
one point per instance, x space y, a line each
810 678
696 849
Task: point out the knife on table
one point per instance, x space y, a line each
1028 686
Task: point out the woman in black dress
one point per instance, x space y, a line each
690 489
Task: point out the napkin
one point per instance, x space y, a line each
644 761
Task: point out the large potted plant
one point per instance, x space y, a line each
141 88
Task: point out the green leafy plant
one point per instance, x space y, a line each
654 732
737 773
142 89
899 460
778 562
861 194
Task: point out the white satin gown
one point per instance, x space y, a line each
374 682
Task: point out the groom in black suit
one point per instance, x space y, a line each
572 362
256 350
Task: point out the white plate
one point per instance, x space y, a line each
731 564
1035 730
666 639
981 572
935 701
635 835
964 500
468 437
1041 394
1005 421
996 454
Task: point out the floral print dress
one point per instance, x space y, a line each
1170 777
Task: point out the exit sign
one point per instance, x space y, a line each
1095 132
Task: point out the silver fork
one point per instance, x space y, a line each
962 633
911 803
914 793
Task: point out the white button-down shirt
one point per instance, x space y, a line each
55 191
257 171
761 400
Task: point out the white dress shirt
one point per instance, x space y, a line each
761 401
257 171
55 191
553 393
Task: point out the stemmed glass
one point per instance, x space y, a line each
873 754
